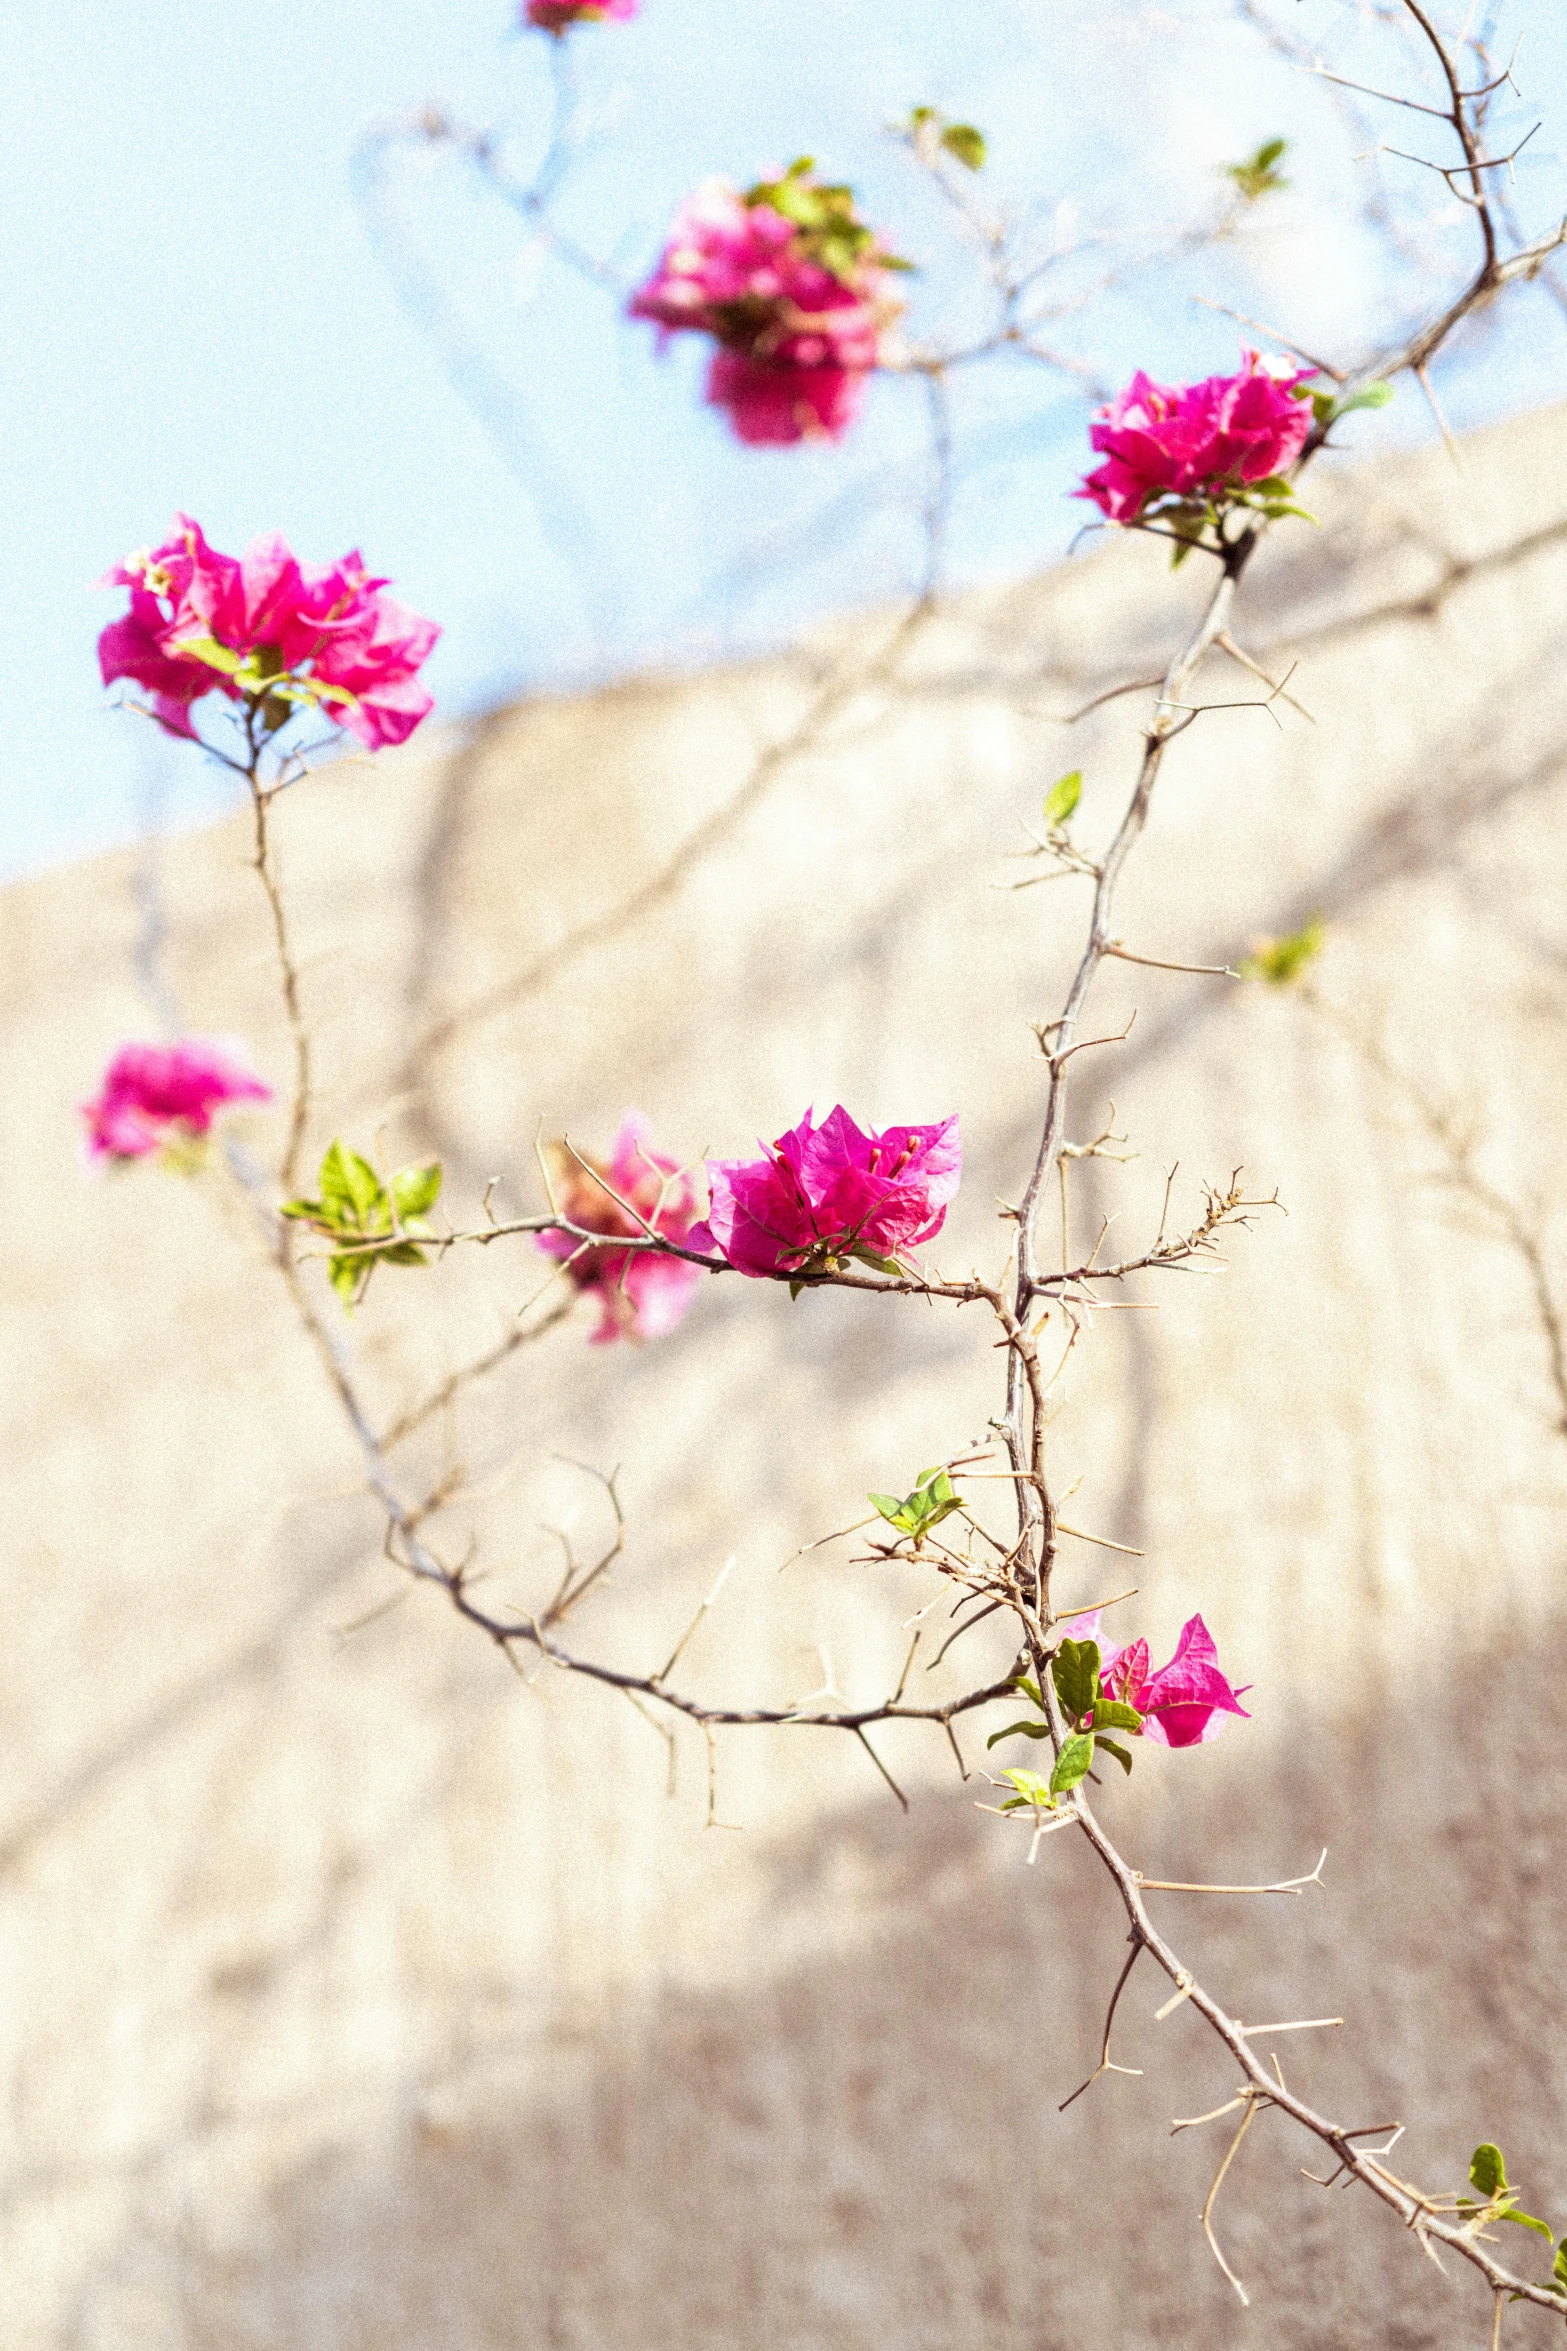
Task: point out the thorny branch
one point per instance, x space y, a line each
1015 1576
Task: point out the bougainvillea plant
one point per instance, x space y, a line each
265 627
558 16
634 1192
823 1195
794 289
155 1096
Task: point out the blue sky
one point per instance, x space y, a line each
200 317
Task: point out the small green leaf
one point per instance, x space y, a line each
1257 175
1020 1681
402 1253
1372 396
312 1210
1487 2172
1075 1671
1115 1748
888 1504
1279 961
1559 2270
1031 1790
207 649
346 1275
414 1189
1073 1763
871 1258
1526 2220
1062 798
966 143
1113 1714
1030 1730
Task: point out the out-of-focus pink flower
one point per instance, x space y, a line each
1202 440
793 288
149 1091
1184 1702
557 16
641 1293
829 1192
777 400
202 622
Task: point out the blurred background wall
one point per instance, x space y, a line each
359 1995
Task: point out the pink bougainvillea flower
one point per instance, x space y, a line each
201 622
1184 1702
641 1293
793 288
151 1093
777 400
1207 440
823 1193
557 16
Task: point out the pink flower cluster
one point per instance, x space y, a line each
557 16
1207 440
258 623
1182 1703
823 1193
795 307
641 1293
151 1091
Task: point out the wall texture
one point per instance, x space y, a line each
358 1996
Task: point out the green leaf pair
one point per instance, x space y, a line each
379 1224
960 140
1488 2173
1256 175
933 1499
1279 961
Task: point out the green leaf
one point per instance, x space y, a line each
1323 406
1073 1763
877 1263
796 1287
1257 175
402 1253
1115 1748
932 1500
208 649
1487 2172
966 143
1279 961
1372 396
414 1189
1030 1730
310 1209
1020 1681
1063 797
1031 1790
1113 1714
347 1275
1075 1671
1559 2270
1526 2220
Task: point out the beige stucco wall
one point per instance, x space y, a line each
357 1995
